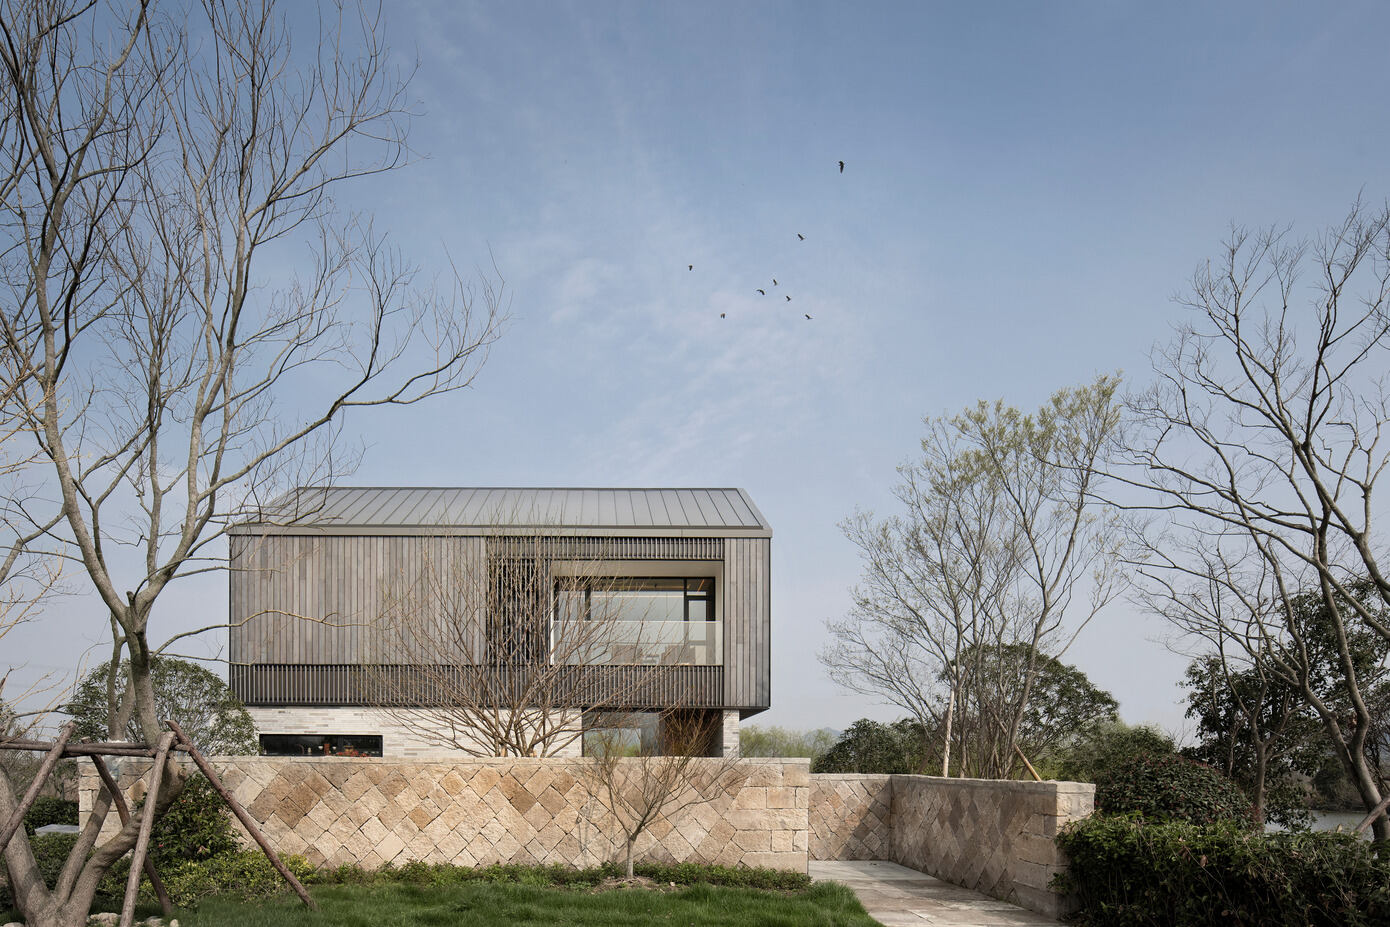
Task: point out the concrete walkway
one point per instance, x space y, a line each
901 897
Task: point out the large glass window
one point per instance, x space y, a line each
636 598
637 620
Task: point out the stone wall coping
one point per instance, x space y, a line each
455 760
1047 786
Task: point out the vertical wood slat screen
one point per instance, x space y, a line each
348 685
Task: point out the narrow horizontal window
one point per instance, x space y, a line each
320 745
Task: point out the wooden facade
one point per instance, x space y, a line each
309 595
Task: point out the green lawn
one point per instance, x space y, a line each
474 904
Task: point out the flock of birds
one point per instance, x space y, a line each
762 291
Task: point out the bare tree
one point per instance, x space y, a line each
1001 544
161 172
505 659
660 775
1262 441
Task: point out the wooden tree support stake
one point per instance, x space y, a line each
1376 812
246 820
1036 777
142 843
54 754
123 810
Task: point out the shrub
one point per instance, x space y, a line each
1171 788
48 810
1100 747
1126 872
50 852
197 826
244 874
420 873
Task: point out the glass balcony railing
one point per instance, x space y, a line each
639 643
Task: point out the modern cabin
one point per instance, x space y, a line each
355 609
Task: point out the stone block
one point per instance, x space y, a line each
356 784
751 797
423 814
373 830
452 782
758 840
389 847
794 862
537 816
483 779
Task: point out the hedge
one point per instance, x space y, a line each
1126 872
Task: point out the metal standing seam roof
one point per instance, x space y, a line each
360 508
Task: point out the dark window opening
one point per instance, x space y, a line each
320 745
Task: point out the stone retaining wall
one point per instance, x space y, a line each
851 816
991 836
369 812
995 837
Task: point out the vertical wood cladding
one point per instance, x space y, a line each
313 601
747 623
299 599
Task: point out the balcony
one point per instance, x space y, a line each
639 643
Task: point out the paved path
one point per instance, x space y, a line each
902 897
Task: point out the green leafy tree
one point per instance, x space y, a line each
1091 755
1263 720
1064 703
1256 729
198 699
874 747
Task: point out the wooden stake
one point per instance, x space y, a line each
246 820
45 770
1369 819
122 809
102 748
1036 777
142 843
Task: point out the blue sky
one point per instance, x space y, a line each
1026 187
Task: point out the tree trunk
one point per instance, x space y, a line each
629 858
43 908
946 738
1257 785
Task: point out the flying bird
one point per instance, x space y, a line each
807 314
774 281
762 292
842 167
721 315
801 236
690 267
789 299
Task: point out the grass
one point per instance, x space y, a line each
475 904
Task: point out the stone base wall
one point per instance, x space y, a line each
370 812
851 816
995 837
991 836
